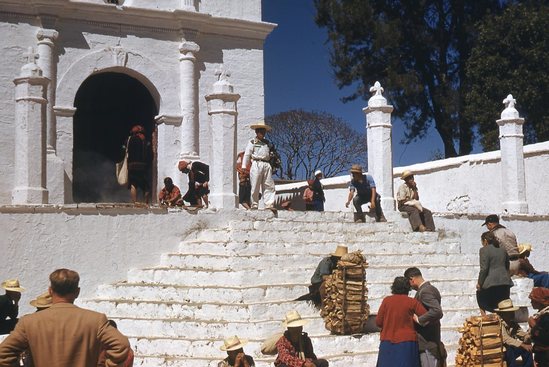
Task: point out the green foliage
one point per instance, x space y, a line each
307 141
511 56
417 50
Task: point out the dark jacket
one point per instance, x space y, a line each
494 267
429 296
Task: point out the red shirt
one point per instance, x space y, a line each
395 318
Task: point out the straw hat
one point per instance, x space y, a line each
506 306
233 343
293 319
340 251
318 172
406 174
524 247
356 168
42 301
260 125
12 285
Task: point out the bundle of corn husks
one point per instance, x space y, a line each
481 343
344 306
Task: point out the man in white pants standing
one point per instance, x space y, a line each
258 151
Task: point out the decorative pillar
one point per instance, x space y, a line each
65 146
30 135
189 100
46 39
188 5
223 112
380 147
512 158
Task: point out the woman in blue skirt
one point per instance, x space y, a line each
396 316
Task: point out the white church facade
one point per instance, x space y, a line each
78 74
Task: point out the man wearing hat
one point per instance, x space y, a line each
199 177
295 348
235 353
260 152
9 305
318 192
42 302
507 240
513 336
526 269
365 189
324 269
64 335
420 217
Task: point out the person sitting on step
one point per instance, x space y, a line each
526 269
420 217
515 339
235 353
170 195
365 189
295 348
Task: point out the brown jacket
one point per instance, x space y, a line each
64 336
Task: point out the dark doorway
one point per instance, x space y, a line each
107 106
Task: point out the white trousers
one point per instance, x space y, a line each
261 177
427 359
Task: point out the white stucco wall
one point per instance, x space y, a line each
101 244
468 184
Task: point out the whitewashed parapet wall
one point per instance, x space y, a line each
172 47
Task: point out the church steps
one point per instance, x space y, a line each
319 249
213 277
250 295
272 261
311 236
237 313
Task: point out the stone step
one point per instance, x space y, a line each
364 234
319 249
325 346
296 225
237 313
277 261
148 328
453 292
212 278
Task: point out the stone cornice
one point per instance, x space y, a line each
139 18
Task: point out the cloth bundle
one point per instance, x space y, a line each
481 343
344 305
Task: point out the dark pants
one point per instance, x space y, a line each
245 193
489 298
417 218
318 363
360 200
6 326
318 205
512 353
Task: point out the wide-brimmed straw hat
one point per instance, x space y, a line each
506 306
406 174
524 247
260 125
42 301
340 251
233 343
12 285
356 168
293 319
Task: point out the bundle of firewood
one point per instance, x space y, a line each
344 305
481 343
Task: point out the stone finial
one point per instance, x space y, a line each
222 74
377 100
31 56
377 89
510 112
222 85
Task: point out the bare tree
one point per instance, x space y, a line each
307 141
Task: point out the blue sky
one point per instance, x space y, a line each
298 76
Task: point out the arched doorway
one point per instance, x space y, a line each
107 106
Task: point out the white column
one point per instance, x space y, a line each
512 159
46 62
189 100
380 146
65 146
223 112
30 135
188 5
